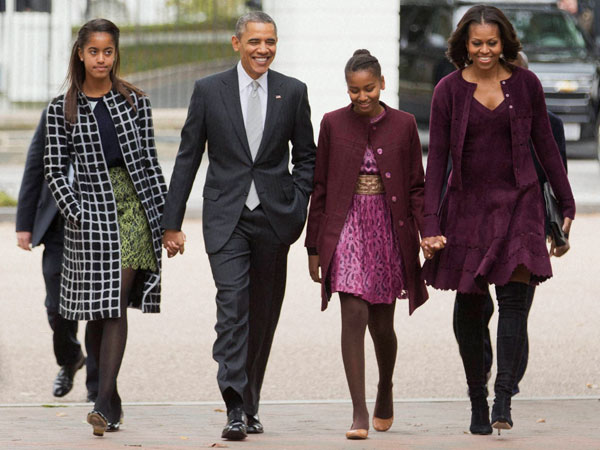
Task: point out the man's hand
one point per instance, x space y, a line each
314 268
24 240
174 242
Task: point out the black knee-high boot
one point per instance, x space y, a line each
512 332
470 326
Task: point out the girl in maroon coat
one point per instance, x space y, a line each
490 223
363 224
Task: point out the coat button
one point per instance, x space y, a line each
508 95
510 107
379 151
388 175
503 82
394 199
401 223
374 127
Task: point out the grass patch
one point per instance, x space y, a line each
222 24
7 200
142 57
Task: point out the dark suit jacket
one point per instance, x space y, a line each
558 132
36 208
343 139
215 117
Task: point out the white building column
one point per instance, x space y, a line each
316 39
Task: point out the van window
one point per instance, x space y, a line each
546 29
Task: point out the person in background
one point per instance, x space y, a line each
489 227
363 229
102 128
38 222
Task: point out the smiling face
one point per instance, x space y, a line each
484 45
364 89
257 46
98 56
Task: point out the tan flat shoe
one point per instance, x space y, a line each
382 424
360 433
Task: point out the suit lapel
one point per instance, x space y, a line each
274 102
230 93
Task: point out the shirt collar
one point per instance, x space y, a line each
244 80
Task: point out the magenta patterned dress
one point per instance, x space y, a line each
367 261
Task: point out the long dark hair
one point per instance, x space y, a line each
76 74
481 14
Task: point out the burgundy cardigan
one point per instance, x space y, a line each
343 139
528 120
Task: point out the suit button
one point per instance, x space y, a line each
379 151
508 95
394 199
374 127
388 175
401 223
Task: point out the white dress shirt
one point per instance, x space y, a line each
245 83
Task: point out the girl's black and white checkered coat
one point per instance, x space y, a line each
91 272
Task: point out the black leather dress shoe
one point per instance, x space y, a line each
254 426
63 383
235 430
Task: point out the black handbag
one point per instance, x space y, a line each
554 218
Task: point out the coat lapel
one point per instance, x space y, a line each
230 93
274 102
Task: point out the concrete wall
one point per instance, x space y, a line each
317 37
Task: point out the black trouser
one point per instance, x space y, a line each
250 275
472 313
67 348
488 311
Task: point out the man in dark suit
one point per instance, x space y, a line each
253 209
38 222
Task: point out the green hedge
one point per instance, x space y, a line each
7 200
142 57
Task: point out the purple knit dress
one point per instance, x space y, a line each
367 261
491 225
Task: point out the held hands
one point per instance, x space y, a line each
314 268
432 244
24 240
174 242
559 251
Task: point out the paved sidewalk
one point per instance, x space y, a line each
539 424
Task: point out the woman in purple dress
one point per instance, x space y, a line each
363 222
489 227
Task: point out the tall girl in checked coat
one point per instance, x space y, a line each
101 166
365 213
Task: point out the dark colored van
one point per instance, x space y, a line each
559 52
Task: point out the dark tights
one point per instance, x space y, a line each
107 342
357 314
512 331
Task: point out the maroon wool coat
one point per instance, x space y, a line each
343 139
528 120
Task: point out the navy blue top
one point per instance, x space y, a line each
108 134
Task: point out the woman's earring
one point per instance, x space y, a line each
469 60
501 55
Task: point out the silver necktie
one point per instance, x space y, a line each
254 131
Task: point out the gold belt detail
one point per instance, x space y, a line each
369 185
